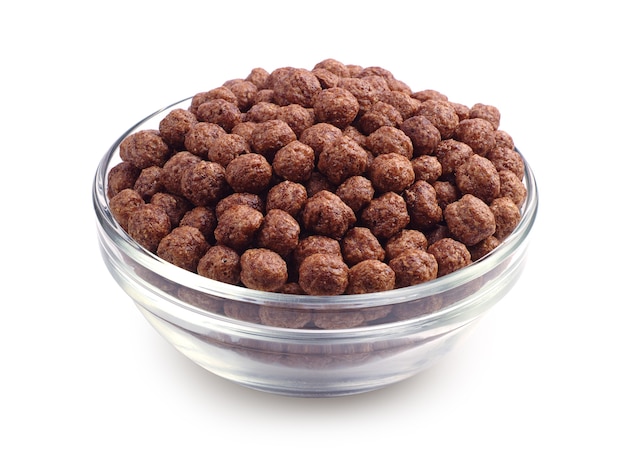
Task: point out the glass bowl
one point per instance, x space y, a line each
378 338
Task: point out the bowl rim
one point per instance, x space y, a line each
202 284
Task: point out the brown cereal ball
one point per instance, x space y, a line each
391 173
204 183
175 126
183 247
200 136
175 206
294 86
484 247
287 196
174 168
149 182
477 133
244 129
262 111
245 94
370 276
507 216
227 147
422 205
462 111
293 288
379 115
355 134
451 154
315 243
342 159
363 89
242 311
439 231
429 94
334 66
221 92
513 187
478 176
487 112
249 173
423 134
360 244
470 220
427 168
441 114
270 136
386 215
297 117
319 135
147 225
203 218
258 76
263 269
413 267
323 275
403 241
121 176
220 112
247 199
237 226
285 317
504 158
326 77
326 214
279 232
503 139
446 193
388 140
336 106
402 101
220 263
317 183
144 148
451 255
294 162
123 204
356 192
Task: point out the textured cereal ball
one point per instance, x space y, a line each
227 147
319 135
258 76
356 192
461 110
360 244
220 112
149 182
363 89
285 317
336 106
144 148
262 111
263 269
326 77
426 168
386 215
513 187
379 115
249 173
315 244
204 183
422 205
220 263
446 193
504 158
470 220
287 196
370 276
200 136
402 101
147 225
413 267
247 199
297 117
121 176
123 204
245 94
391 173
477 133
270 136
507 216
175 206
451 255
323 275
429 94
174 168
451 154
503 139
221 92
294 85
334 66
244 129
487 112
183 247
403 241
478 176
294 162
279 232
175 126
326 214
203 218
484 247
237 226
342 159
441 114
423 134
387 140
317 183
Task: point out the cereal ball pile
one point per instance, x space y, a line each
336 180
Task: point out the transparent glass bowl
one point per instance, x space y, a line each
399 333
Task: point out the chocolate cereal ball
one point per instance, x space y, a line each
360 244
427 168
451 255
147 225
386 215
413 267
391 173
451 154
446 193
504 158
422 205
279 232
387 140
294 162
262 111
294 85
247 199
477 133
149 182
245 93
403 241
315 244
441 114
423 134
203 218
479 177
144 148
297 117
175 126
477 251
370 276
319 135
356 192
123 204
470 220
220 263
334 66
287 196
513 187
270 136
249 173
323 275
221 92
326 214
379 115
175 206
226 147
204 183
220 112
507 216
336 106
342 159
402 101
121 176
183 247
487 112
200 136
263 269
174 168
237 226
258 76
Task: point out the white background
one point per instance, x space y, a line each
83 373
